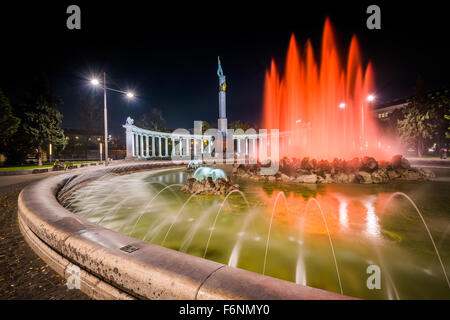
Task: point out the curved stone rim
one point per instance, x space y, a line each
63 239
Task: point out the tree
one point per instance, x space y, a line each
205 126
420 122
447 116
441 103
43 126
152 120
417 126
40 121
8 122
237 124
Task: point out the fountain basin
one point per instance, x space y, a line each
319 235
115 266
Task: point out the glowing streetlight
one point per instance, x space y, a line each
129 95
370 98
342 106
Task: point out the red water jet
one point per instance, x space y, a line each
306 103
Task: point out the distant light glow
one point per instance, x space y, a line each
95 82
342 105
130 95
343 216
370 98
372 224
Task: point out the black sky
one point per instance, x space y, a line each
167 52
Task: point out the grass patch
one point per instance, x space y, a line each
26 167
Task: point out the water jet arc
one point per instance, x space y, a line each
426 227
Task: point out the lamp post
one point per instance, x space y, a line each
128 94
105 116
370 98
342 106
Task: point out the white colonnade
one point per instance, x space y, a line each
146 144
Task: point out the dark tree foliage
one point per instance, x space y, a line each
152 120
237 124
447 117
441 104
205 126
423 120
43 126
8 122
40 122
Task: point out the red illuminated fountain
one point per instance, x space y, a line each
323 108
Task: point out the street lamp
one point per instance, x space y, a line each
370 98
129 95
342 106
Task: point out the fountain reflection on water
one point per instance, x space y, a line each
147 208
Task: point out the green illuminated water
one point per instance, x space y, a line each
365 230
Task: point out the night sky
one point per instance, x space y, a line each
168 55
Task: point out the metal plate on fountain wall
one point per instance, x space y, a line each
129 248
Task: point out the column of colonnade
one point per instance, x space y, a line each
167 147
247 145
136 143
141 139
140 145
182 145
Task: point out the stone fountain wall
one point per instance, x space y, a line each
114 266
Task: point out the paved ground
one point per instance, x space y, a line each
429 162
8 181
23 275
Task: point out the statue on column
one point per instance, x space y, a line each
222 78
130 121
222 121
